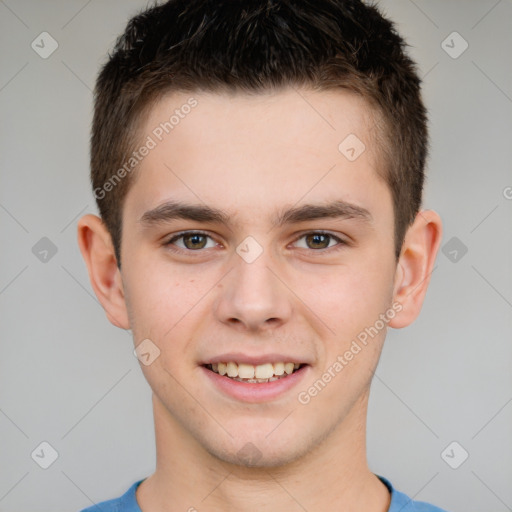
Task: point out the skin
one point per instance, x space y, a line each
253 156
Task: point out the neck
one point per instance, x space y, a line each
333 476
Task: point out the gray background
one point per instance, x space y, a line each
68 377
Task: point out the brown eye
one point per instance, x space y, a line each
194 241
191 241
318 240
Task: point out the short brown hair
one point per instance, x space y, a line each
252 46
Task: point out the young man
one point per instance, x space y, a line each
258 167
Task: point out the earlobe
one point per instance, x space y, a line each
415 266
98 252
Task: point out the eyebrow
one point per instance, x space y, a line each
172 210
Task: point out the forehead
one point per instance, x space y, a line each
258 149
308 122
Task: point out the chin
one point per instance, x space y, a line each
260 451
250 456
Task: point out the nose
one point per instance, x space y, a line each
254 296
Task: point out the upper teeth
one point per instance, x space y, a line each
249 371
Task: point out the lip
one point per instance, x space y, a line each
254 393
234 357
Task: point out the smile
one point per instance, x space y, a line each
257 383
259 374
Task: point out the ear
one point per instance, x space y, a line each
415 265
98 252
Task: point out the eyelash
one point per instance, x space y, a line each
339 246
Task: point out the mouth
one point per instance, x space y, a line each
258 383
254 374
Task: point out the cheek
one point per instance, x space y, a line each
350 299
161 297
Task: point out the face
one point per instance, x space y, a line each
259 275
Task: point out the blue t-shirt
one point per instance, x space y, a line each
399 502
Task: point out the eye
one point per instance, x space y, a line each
192 240
319 240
